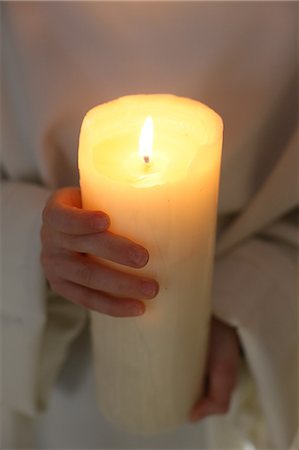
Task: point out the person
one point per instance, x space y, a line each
60 59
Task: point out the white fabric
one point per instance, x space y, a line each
60 59
279 193
23 312
263 274
295 443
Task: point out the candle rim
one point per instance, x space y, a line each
187 115
134 102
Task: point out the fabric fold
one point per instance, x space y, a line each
29 321
264 273
277 196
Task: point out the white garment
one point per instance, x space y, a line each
60 59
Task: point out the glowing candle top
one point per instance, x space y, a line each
148 140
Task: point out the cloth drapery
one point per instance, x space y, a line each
59 60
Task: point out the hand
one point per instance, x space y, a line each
221 372
69 235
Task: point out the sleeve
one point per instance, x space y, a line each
37 326
256 290
23 314
28 321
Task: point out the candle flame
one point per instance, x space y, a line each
146 140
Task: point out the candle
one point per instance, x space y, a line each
152 163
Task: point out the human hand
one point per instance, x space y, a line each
221 371
69 235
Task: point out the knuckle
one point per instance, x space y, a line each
92 301
51 265
111 245
113 310
44 260
46 212
70 242
125 286
98 301
44 234
87 274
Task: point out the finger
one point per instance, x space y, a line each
196 411
200 410
222 382
64 213
223 368
217 400
98 301
95 275
105 245
222 372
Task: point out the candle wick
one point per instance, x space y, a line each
146 159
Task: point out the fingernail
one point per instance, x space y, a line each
101 222
138 256
149 288
138 310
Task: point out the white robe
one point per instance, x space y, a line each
60 59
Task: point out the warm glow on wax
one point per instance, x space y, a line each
150 369
146 140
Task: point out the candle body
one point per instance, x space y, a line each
149 369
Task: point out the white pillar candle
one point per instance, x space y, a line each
149 369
